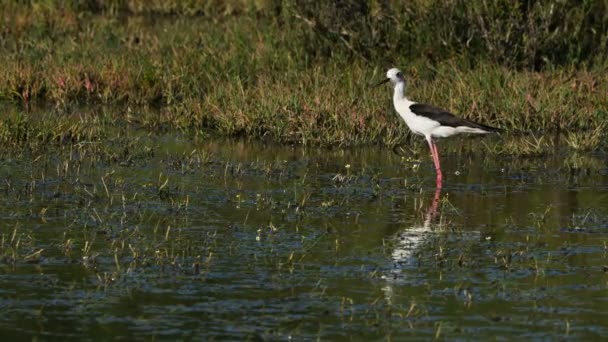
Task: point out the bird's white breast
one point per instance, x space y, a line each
417 124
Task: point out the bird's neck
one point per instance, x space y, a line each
399 94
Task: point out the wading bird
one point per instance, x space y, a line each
429 121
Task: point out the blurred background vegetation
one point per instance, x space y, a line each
298 70
530 34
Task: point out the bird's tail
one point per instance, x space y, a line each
486 128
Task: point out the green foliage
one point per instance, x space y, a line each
298 71
528 34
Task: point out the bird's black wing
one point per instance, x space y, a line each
446 118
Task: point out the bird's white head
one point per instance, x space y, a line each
394 75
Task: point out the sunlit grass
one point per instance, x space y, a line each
237 75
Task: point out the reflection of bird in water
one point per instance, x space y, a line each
407 242
409 239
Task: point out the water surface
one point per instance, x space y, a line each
171 238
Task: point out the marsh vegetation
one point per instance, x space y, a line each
298 71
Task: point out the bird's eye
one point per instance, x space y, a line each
399 74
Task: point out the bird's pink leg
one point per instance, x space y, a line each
432 148
437 164
432 152
435 156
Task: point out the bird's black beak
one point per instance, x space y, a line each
380 83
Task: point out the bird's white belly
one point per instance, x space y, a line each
446 131
443 132
421 125
425 127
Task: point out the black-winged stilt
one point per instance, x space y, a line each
429 121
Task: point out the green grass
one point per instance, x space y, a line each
241 69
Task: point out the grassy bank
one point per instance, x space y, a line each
272 70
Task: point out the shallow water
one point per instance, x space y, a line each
172 238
